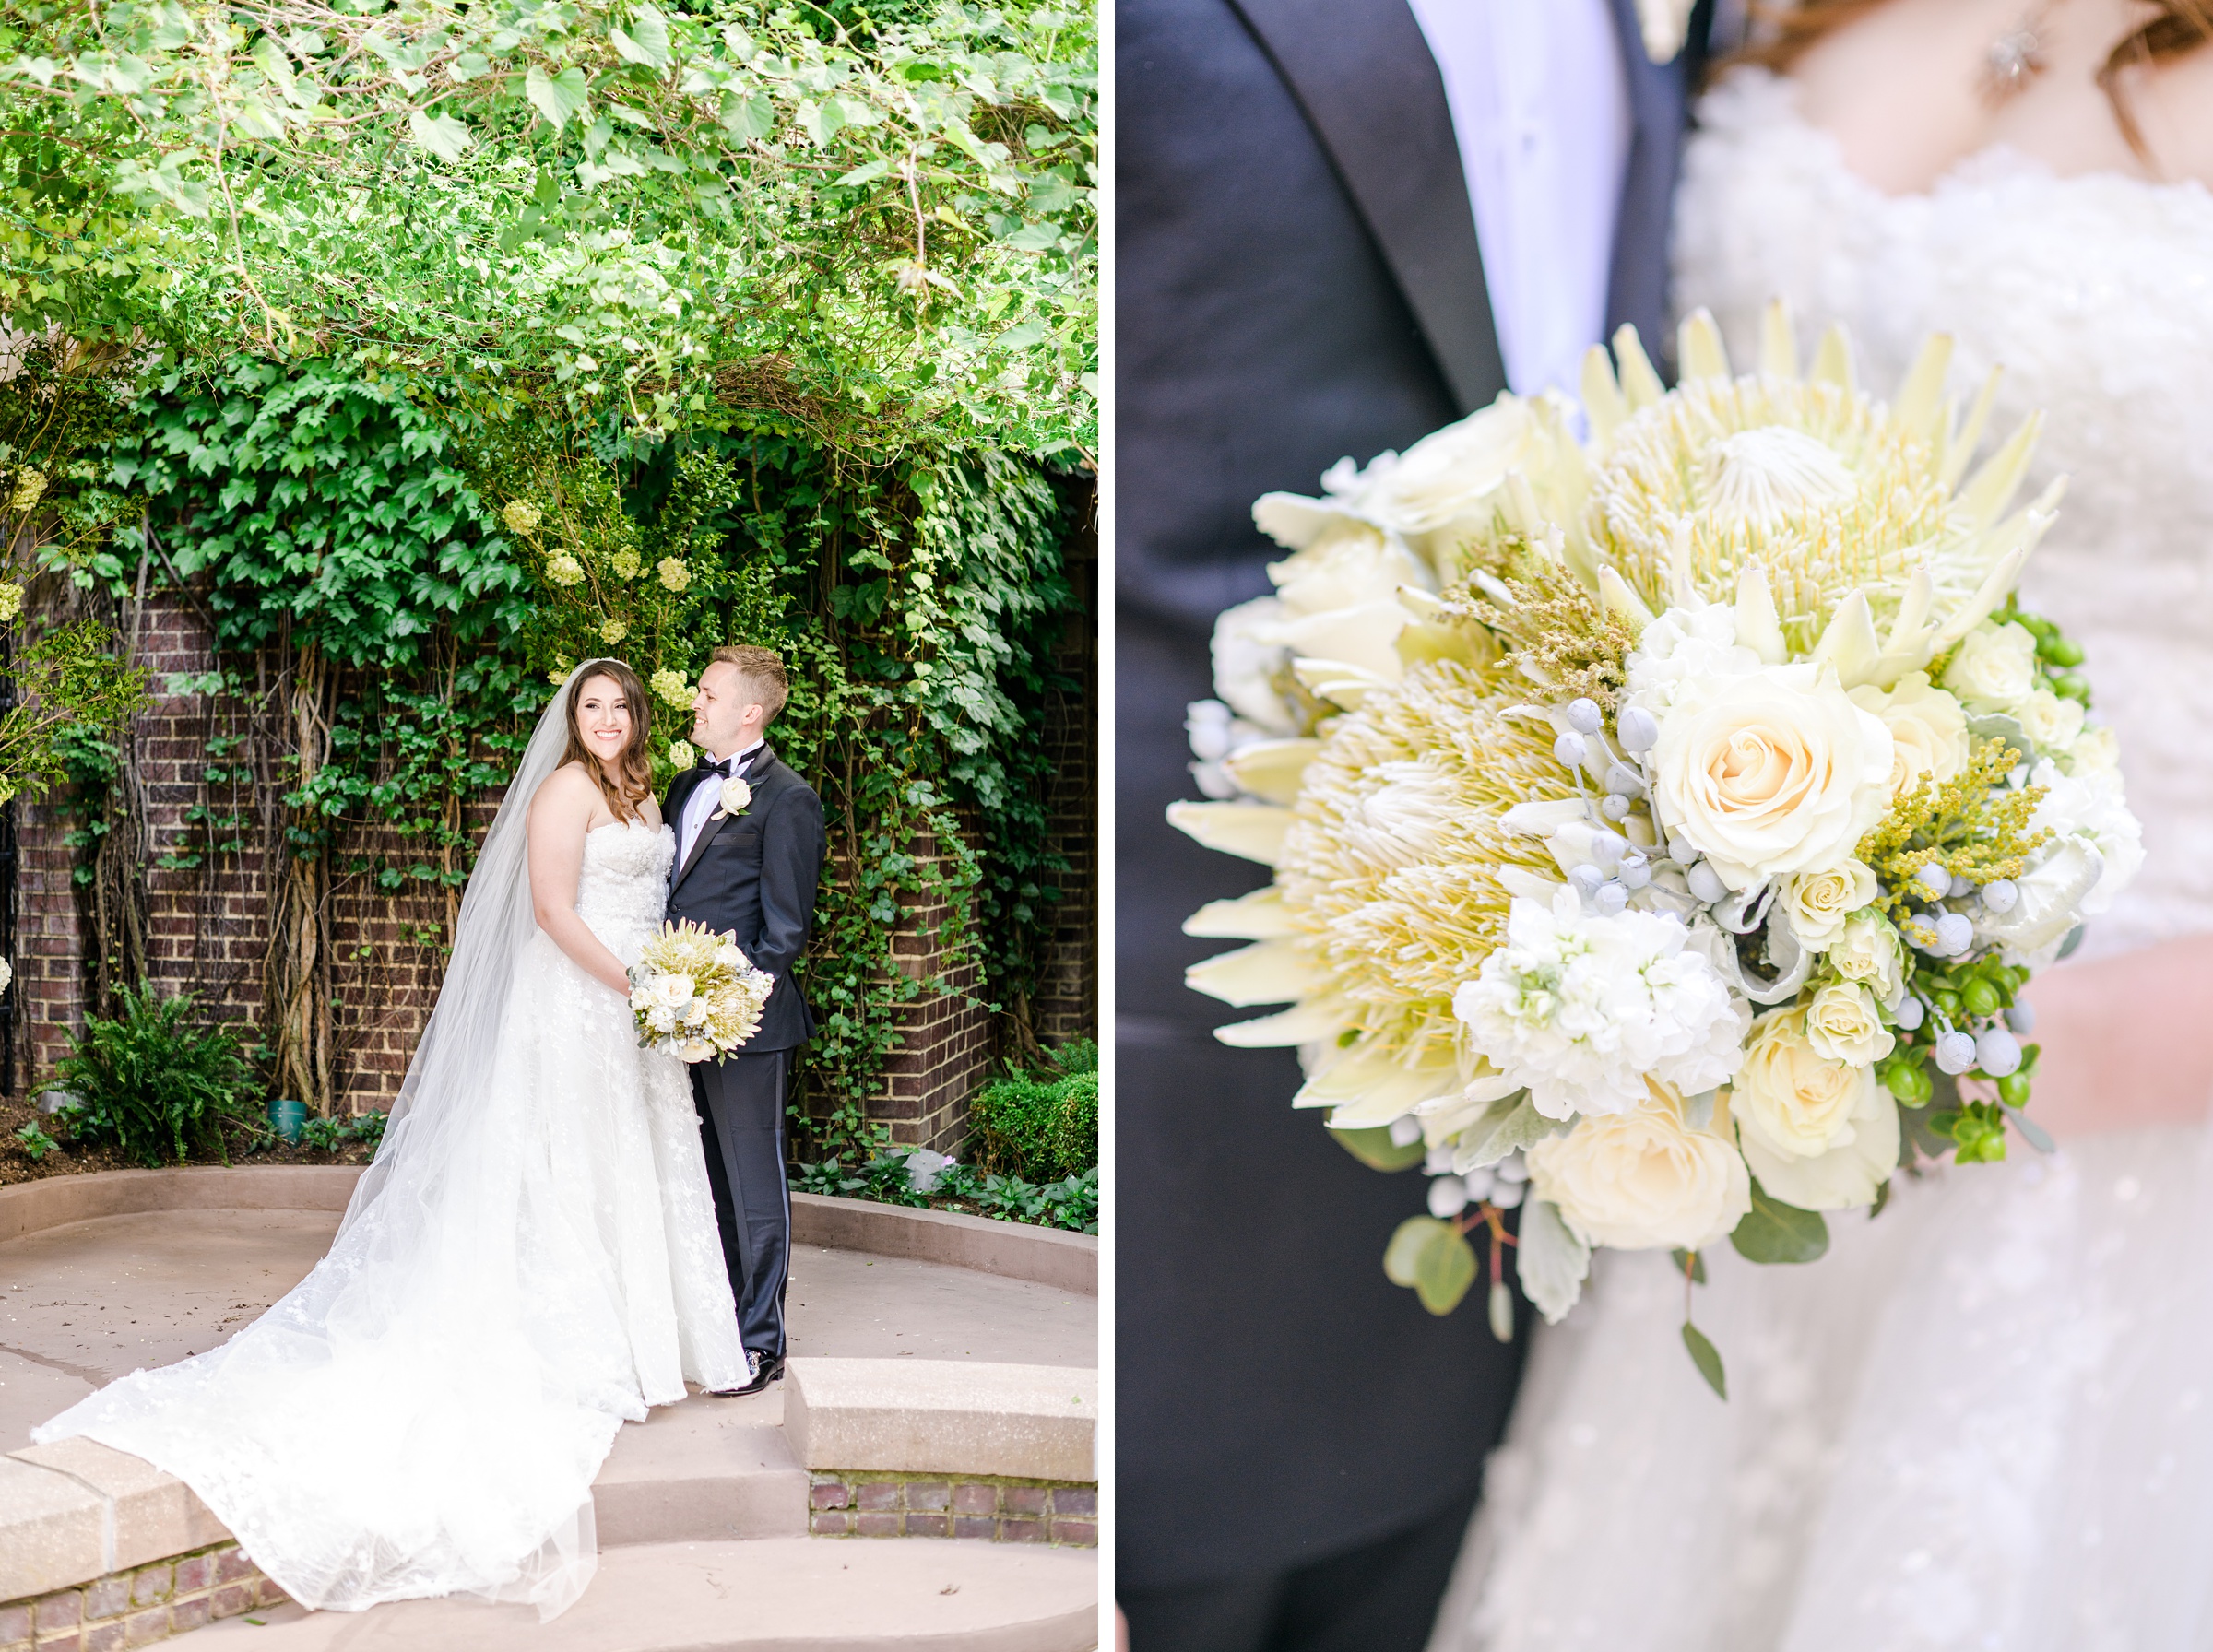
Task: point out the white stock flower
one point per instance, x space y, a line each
1583 1008
2050 721
1995 667
1788 1097
2090 807
1816 904
661 1018
1869 952
1683 645
1248 661
1928 730
2095 751
1642 1179
1842 1023
1848 1173
1770 772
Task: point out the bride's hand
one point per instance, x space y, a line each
559 816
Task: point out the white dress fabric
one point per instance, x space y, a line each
1984 1420
425 1413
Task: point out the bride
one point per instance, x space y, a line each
1985 1418
531 1261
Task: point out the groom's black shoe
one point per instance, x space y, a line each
767 1368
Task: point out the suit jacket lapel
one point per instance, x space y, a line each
1637 285
757 773
1363 76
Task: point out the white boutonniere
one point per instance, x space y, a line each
1665 25
737 796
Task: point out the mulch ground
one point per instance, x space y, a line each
18 1165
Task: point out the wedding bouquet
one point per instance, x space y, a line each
695 994
1664 822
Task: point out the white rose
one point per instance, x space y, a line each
675 991
1850 1173
1770 772
1817 903
2090 807
2050 722
1642 1179
1843 1024
2095 751
1788 1097
1995 667
736 795
641 998
1870 952
1249 660
695 1049
1928 730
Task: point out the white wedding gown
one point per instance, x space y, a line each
1985 1418
425 1413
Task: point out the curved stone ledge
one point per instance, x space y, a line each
28 1207
952 1417
1014 1250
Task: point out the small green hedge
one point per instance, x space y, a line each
152 1084
1041 1127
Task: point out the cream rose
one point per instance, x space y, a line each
1850 1173
1928 730
1791 1098
2050 721
1770 772
1642 1180
1870 952
2095 751
1842 1023
1816 904
1995 667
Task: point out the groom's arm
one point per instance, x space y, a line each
792 843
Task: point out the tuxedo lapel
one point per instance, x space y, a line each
758 775
1637 285
1363 75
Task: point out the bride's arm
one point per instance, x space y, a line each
559 815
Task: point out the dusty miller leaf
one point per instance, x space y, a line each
1509 1124
1550 1261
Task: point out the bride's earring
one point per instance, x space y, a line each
2016 57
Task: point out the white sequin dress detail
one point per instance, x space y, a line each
428 1420
1986 1419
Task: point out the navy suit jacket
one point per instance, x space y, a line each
755 874
1297 279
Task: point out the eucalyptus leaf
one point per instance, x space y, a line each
1444 1270
1502 1311
1706 1358
1772 1232
1402 1256
1374 1147
1551 1262
1693 1262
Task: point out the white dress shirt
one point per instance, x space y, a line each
1540 103
703 801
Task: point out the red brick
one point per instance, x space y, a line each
832 1496
877 1526
15 1624
188 1614
829 1525
143 1628
974 1500
1025 1500
231 1565
62 1609
879 1494
1084 1533
105 1597
930 1526
1022 1532
1075 1500
232 1598
973 1526
111 1636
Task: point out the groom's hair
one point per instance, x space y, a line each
761 671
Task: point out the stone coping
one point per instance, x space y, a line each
955 1417
1011 1249
1018 1250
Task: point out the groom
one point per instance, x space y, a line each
749 854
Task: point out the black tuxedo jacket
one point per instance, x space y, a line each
1297 279
755 874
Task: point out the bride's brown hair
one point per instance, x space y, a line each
2180 29
635 766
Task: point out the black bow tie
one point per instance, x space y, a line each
727 766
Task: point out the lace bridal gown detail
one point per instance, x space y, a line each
533 1261
1986 1419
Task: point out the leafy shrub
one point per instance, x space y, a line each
1040 1126
885 1177
331 1134
36 1142
152 1084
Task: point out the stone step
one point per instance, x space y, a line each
708 1470
789 1594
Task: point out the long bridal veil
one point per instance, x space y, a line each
425 1412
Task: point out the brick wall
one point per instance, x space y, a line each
1067 1002
210 925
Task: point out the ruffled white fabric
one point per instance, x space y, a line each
425 1413
1986 1419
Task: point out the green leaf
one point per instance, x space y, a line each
1445 1269
1774 1232
1375 1148
440 135
1509 1125
1551 1262
1404 1250
747 118
1693 1261
647 42
866 173
556 97
1706 1358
